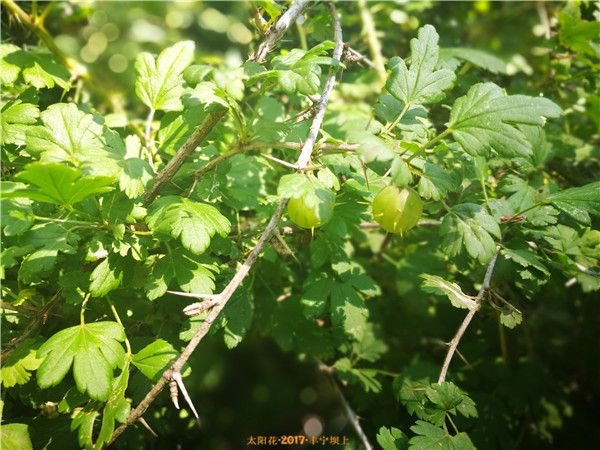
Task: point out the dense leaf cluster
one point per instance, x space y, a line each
507 172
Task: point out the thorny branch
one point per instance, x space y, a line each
200 133
467 320
169 171
352 55
352 417
243 147
37 27
315 127
38 320
219 301
278 30
224 297
589 272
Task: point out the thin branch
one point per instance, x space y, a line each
257 145
467 320
21 309
544 21
352 417
289 164
308 146
198 308
281 162
210 165
148 140
589 272
315 127
32 327
200 133
372 39
184 151
38 28
225 295
222 298
353 55
275 33
219 159
298 146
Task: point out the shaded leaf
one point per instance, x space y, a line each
348 310
449 397
107 275
117 408
15 116
18 366
435 183
510 316
194 223
16 213
366 378
236 318
392 439
429 436
15 436
578 202
154 358
37 265
83 419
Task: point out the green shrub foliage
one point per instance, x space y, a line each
497 147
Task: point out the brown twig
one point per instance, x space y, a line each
40 319
467 320
220 300
352 417
325 146
257 145
37 26
225 295
352 55
200 133
544 20
315 127
275 33
184 151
